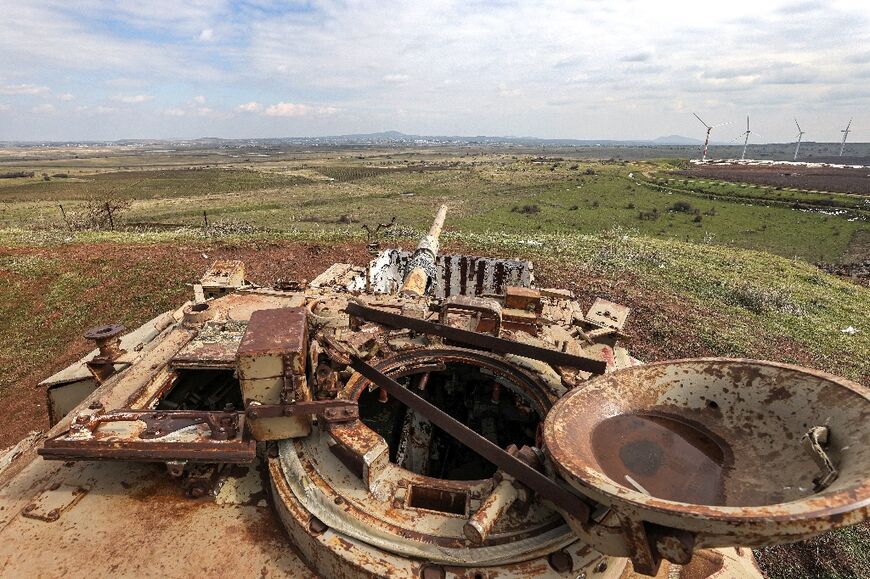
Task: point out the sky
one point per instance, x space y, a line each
100 70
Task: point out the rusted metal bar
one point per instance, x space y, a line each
328 410
476 339
513 466
236 451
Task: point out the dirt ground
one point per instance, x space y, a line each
855 181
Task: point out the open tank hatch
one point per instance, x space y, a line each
490 405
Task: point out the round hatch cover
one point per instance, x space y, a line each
718 446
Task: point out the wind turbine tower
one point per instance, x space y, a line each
800 136
845 134
746 138
707 138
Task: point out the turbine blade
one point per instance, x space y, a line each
702 121
747 123
798 126
722 124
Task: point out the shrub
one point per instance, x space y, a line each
526 209
681 207
101 211
759 299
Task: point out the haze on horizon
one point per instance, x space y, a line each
95 70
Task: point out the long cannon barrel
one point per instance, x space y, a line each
421 266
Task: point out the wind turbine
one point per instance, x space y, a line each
746 138
845 134
707 139
800 135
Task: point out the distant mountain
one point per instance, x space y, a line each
677 140
397 138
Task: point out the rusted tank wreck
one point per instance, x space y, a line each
426 416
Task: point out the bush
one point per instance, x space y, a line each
759 299
630 206
100 212
681 207
16 174
697 219
589 171
651 215
526 209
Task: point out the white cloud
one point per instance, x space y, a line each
22 89
251 107
287 110
98 109
174 112
199 99
133 99
4 107
506 91
44 109
207 35
299 110
397 78
66 97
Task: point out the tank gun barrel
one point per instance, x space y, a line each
421 266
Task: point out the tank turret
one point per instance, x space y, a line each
429 415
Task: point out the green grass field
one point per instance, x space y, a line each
504 193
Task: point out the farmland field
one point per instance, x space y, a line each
842 180
709 264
